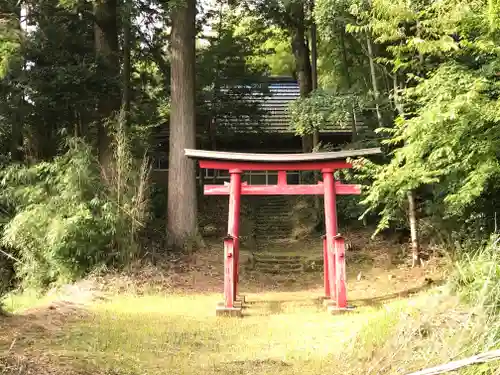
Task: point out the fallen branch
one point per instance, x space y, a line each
455 365
10 256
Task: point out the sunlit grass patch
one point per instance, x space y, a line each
377 329
17 301
132 331
180 334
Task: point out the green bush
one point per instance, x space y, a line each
477 280
63 219
477 275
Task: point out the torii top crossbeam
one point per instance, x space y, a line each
239 162
279 158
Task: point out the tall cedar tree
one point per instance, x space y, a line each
107 54
301 52
182 204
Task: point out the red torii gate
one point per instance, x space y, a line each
333 243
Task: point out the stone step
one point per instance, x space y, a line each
278 223
273 226
278 256
273 218
278 209
274 214
267 268
264 218
277 261
273 204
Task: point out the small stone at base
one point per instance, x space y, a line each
226 311
329 302
236 304
334 310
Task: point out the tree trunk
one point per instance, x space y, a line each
182 202
397 102
214 114
107 52
301 53
373 75
302 58
314 86
412 216
126 73
412 210
314 69
354 128
314 51
16 141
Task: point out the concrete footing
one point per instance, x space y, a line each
236 304
228 311
334 310
328 302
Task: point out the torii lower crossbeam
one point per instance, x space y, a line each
333 243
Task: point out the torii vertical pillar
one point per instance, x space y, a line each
331 232
334 249
230 306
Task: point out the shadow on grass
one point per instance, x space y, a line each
380 300
276 306
282 306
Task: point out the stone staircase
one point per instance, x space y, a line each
276 263
275 251
272 218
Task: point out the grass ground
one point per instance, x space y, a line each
172 329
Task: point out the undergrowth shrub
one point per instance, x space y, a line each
477 281
63 218
444 324
477 275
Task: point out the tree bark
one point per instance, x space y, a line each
301 51
314 86
314 68
126 73
314 50
395 95
182 202
412 217
214 113
373 75
301 54
354 128
412 210
16 141
107 54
